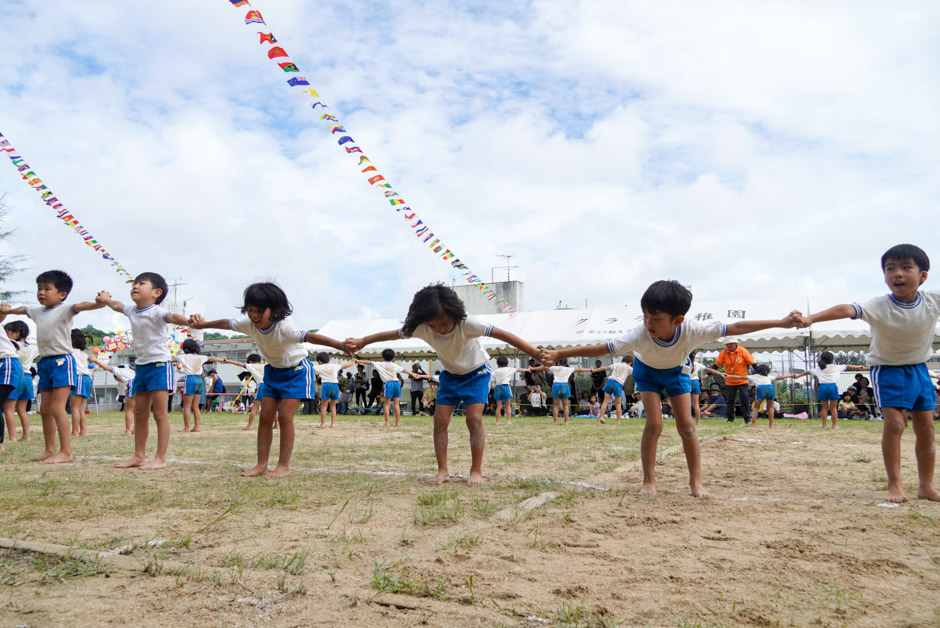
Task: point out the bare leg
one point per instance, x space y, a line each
555 402
9 410
650 440
564 405
59 423
499 409
285 412
323 404
142 401
770 413
265 436
385 403
129 405
197 416
926 451
82 420
251 416
696 409
894 423
76 414
187 407
442 417
397 411
508 406
834 412
332 412
159 401
477 442
755 412
693 454
24 418
604 407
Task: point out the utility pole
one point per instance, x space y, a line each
173 285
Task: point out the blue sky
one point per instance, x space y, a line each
768 150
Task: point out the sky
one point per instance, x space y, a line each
765 150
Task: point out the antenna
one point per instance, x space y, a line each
508 266
173 284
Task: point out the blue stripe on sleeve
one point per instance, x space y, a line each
400 334
303 336
610 347
724 329
858 310
489 331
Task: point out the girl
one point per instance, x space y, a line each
595 407
81 391
191 364
561 391
19 399
288 376
329 389
124 374
827 374
438 317
613 387
388 372
765 392
255 368
10 373
502 393
695 376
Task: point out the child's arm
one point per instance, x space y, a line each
176 319
196 321
103 365
590 351
233 362
856 367
793 319
832 314
215 359
319 339
6 308
355 344
713 371
795 375
104 299
583 370
348 364
514 340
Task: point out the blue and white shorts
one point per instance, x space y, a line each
614 388
56 371
330 392
766 393
828 392
696 386
472 387
260 392
195 385
295 382
907 387
11 373
25 390
561 391
502 392
153 377
82 386
392 390
130 390
673 380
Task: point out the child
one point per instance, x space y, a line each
438 317
288 376
388 372
561 391
595 407
765 392
502 379
255 367
17 331
661 346
902 330
695 379
191 363
613 387
153 379
56 365
124 374
847 408
329 388
11 372
81 391
827 374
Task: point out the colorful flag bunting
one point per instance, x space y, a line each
253 17
287 66
240 3
276 51
267 37
376 179
314 93
297 80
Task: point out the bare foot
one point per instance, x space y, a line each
196 429
80 434
440 478
929 493
332 424
476 479
508 422
255 470
56 459
24 438
321 425
648 490
896 493
133 461
42 456
128 432
699 491
385 424
247 427
277 472
2 448
603 422
73 434
185 429
618 421
156 463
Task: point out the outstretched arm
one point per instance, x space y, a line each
590 351
856 367
832 314
176 319
319 339
793 319
196 321
6 308
514 340
233 362
355 344
104 299
103 365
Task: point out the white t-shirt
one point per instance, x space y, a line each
151 331
667 354
122 375
459 351
620 371
760 380
561 373
53 328
503 375
901 333
81 362
388 371
26 354
329 372
536 399
828 375
257 371
281 344
8 348
191 363
696 371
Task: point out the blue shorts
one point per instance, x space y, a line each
153 377
696 386
195 385
25 390
82 387
561 391
828 392
907 387
330 392
472 387
673 380
502 392
56 371
392 390
766 393
295 382
130 390
614 388
11 374
260 392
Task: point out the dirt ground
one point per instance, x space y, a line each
798 534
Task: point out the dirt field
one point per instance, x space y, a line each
798 532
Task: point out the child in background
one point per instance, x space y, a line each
18 331
502 391
56 365
288 375
124 374
191 363
11 372
847 408
827 373
437 316
388 372
903 324
255 367
695 379
81 391
661 346
765 392
561 390
613 387
329 388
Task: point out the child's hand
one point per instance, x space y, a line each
353 345
547 357
794 319
103 297
5 307
196 321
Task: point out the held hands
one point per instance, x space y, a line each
353 345
547 357
196 321
102 297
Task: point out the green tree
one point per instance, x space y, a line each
9 264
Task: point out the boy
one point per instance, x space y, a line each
613 387
56 364
389 371
153 379
329 388
502 387
902 329
255 368
661 346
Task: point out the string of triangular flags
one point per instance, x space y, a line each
373 176
34 181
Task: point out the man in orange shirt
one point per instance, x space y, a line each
736 359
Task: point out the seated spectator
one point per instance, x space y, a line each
847 409
537 400
716 404
584 404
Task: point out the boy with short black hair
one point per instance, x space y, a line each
56 364
153 379
391 387
661 346
903 324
